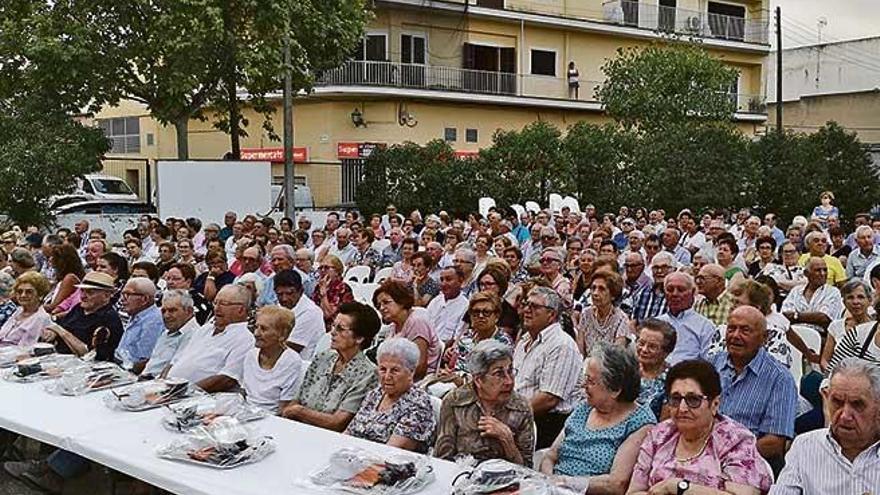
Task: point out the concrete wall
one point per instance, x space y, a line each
858 112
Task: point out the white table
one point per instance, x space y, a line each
126 442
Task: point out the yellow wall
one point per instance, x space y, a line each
858 112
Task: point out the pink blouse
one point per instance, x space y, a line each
417 326
731 455
24 331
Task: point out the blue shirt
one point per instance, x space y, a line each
763 398
268 297
521 233
648 303
140 335
694 333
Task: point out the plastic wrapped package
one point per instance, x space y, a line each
36 369
497 476
202 411
144 396
357 471
224 444
90 378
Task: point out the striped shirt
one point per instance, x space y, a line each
763 398
648 303
551 363
816 464
852 343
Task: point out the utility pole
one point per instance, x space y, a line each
289 182
779 69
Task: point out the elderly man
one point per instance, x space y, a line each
446 310
144 325
815 304
182 276
305 266
770 220
308 326
180 323
92 324
691 238
94 250
817 245
232 240
435 251
465 260
343 249
694 331
547 364
650 302
717 301
229 220
251 262
860 262
757 390
282 257
213 357
634 267
669 241
844 458
391 253
167 256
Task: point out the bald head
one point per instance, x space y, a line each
745 335
710 281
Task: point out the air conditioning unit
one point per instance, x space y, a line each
694 23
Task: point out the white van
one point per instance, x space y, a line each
96 186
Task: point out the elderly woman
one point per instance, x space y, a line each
766 249
26 324
726 250
487 419
396 413
495 278
552 260
403 269
602 321
331 290
395 303
484 310
656 340
698 450
338 379
482 243
601 438
271 372
424 287
584 274
857 295
862 342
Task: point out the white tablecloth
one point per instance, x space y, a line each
127 442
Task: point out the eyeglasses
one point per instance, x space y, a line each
463 261
339 328
789 251
482 313
550 260
533 306
692 401
660 267
227 303
502 373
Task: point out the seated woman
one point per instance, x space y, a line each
396 413
331 290
603 321
495 278
338 379
656 340
698 450
394 300
271 372
484 309
26 324
487 419
597 449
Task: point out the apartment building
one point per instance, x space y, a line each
459 70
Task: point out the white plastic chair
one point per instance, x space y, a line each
532 206
572 204
366 293
359 274
555 202
436 404
519 210
382 274
381 244
484 204
813 340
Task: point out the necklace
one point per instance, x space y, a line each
699 453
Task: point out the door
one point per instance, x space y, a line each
492 69
352 176
666 16
412 59
371 61
727 21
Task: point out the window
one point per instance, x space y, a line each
372 47
450 134
470 135
543 63
124 134
412 49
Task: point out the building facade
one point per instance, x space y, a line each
459 70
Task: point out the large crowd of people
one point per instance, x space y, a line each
628 352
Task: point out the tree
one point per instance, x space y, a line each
602 167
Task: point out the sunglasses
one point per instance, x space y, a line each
692 401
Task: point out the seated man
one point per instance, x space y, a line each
717 301
843 458
91 325
144 325
815 304
181 276
547 365
757 390
308 327
180 323
213 357
693 331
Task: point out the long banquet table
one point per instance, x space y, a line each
126 442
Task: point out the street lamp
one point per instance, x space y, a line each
357 118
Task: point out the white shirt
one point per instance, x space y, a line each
265 388
167 345
446 316
206 354
308 327
346 254
826 299
229 247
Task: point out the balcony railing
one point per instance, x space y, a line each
439 78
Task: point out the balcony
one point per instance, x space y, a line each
480 82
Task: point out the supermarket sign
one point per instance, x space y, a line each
352 150
275 155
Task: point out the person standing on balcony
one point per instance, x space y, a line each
573 80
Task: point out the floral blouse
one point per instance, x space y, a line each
616 326
466 343
731 455
338 292
412 417
6 310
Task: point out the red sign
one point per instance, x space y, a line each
464 154
356 150
275 155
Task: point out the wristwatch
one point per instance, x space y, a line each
683 486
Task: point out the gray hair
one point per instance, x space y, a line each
23 257
143 285
864 228
860 367
183 296
551 299
486 353
688 279
812 236
403 349
288 250
307 252
664 255
6 283
467 253
853 284
240 293
619 369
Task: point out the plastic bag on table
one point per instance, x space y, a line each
224 444
358 471
90 377
150 395
503 477
201 411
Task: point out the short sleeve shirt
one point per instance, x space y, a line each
327 392
206 354
412 417
551 363
266 388
83 327
417 326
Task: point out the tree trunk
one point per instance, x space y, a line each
181 126
231 80
234 116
